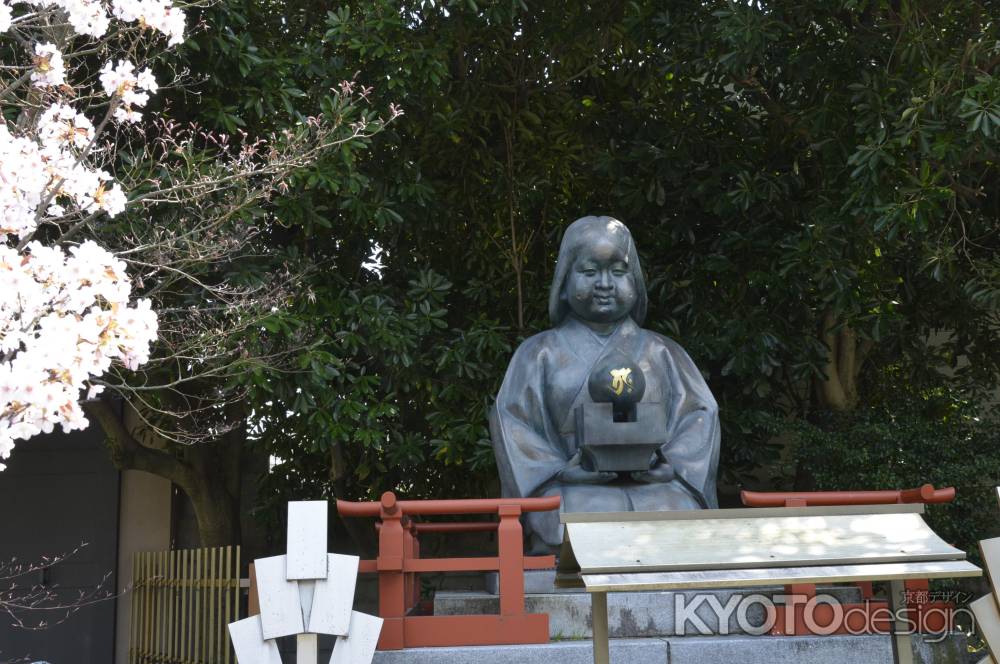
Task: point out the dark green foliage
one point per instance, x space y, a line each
787 169
398 394
904 444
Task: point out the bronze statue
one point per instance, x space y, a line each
570 418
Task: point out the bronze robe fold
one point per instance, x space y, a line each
533 427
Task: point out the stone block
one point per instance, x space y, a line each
864 649
623 651
640 614
535 581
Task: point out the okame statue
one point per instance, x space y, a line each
610 416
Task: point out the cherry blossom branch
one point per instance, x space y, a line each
34 606
168 203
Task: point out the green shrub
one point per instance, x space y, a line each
914 440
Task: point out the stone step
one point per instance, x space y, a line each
639 614
535 581
867 649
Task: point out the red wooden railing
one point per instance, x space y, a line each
930 617
399 562
925 494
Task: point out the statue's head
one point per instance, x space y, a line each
598 277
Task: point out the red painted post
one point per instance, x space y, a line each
408 577
391 584
414 554
807 589
511 551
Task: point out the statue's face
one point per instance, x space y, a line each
600 287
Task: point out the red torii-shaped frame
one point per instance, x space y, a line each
929 616
399 562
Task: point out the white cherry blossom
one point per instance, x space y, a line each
111 199
23 181
146 81
5 17
49 68
64 318
66 315
157 14
61 125
120 81
32 173
87 17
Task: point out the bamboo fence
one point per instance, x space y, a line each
182 602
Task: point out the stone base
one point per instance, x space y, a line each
535 581
623 651
639 614
694 650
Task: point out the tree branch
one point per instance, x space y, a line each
127 453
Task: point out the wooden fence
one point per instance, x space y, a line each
182 602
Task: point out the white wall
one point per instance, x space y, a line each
144 526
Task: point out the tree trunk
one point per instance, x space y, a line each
217 513
216 485
208 473
837 390
361 531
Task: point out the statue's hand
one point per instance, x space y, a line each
575 473
578 475
660 472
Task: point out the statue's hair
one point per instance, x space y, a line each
576 236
